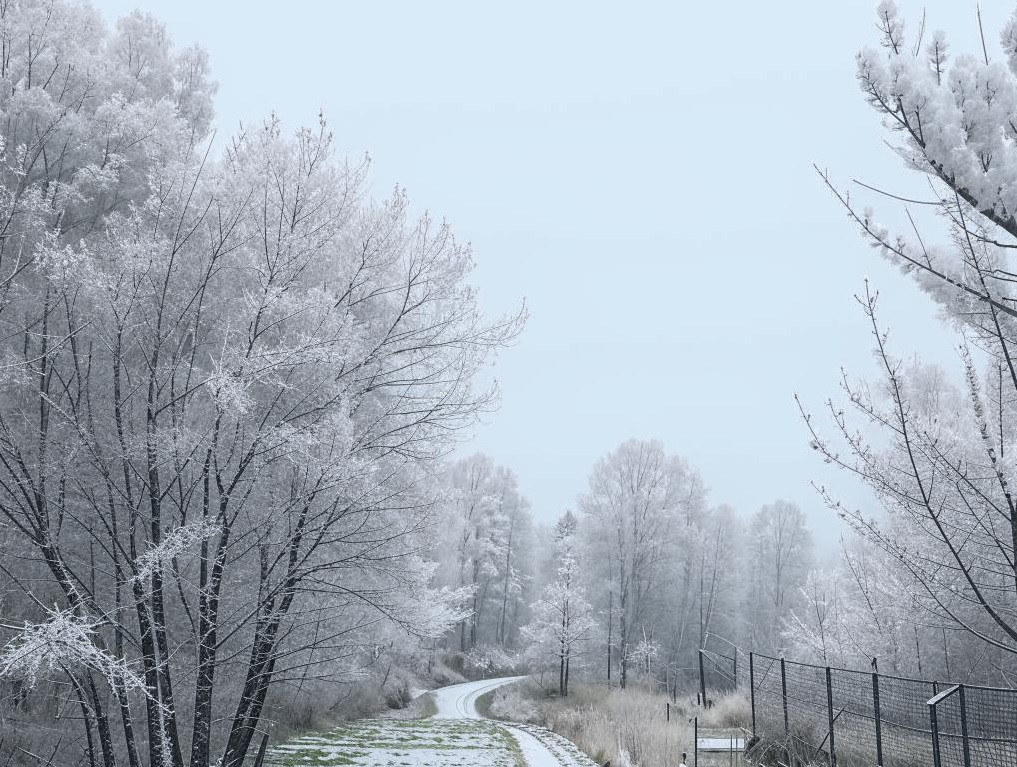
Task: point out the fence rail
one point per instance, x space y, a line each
841 717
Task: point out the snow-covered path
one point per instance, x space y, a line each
540 747
543 748
456 735
459 701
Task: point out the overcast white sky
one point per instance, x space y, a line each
641 174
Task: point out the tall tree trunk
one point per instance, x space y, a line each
476 600
109 757
168 715
86 718
149 668
623 639
610 627
568 662
563 650
248 713
119 689
505 587
479 614
208 621
263 651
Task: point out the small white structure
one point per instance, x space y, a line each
732 745
722 744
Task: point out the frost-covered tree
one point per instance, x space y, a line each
638 500
813 631
703 587
516 570
779 559
863 609
562 624
720 574
879 616
940 458
228 384
489 527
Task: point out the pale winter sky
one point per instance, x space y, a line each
641 174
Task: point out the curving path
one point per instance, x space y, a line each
540 747
459 701
456 735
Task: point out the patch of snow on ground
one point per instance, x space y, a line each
417 743
543 748
457 736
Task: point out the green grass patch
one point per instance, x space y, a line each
383 742
483 703
424 706
312 757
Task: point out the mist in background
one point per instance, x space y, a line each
642 177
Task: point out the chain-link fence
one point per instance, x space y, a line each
807 714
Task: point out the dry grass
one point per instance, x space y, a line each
625 727
728 711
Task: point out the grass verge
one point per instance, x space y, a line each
621 726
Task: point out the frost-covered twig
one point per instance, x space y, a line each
173 545
63 641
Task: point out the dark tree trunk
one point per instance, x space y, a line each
568 663
102 725
208 620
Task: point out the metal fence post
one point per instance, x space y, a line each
702 678
934 726
829 714
934 722
783 694
752 691
695 745
964 727
879 723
